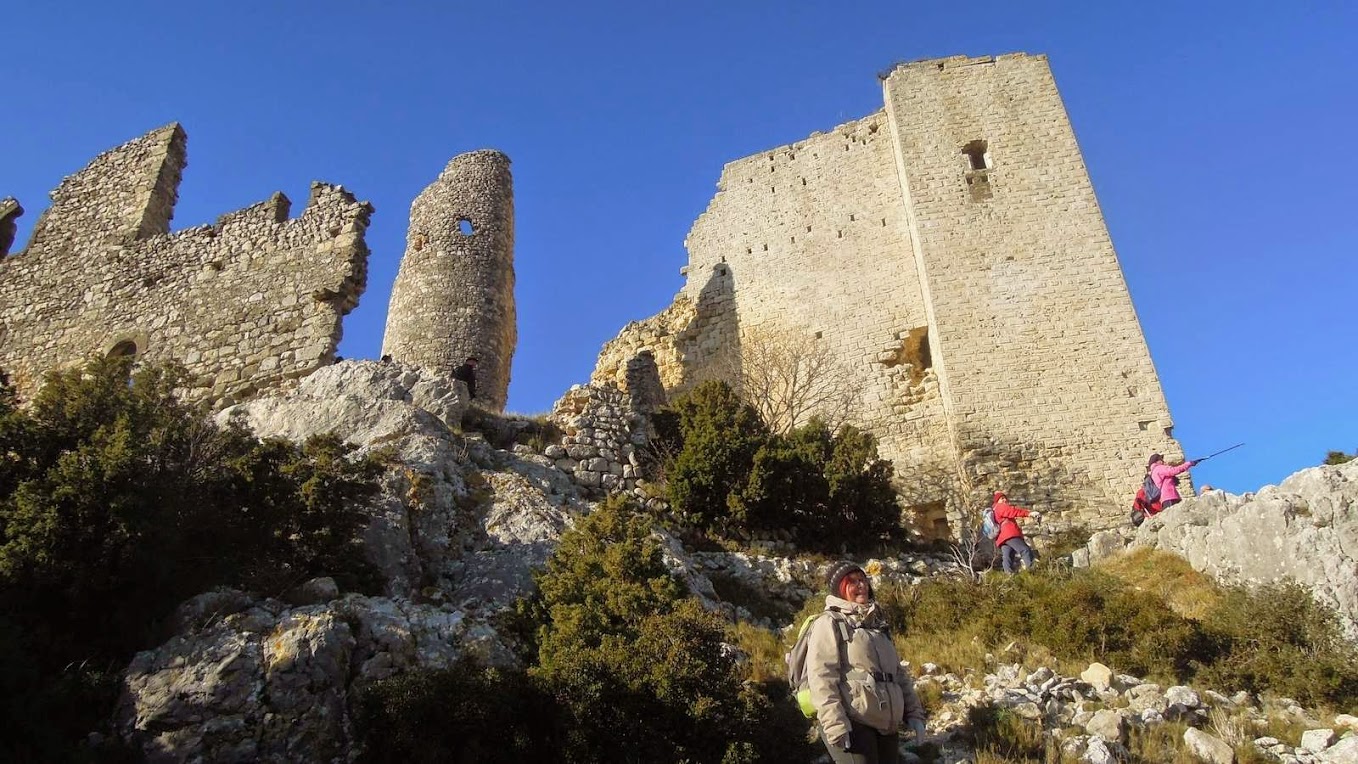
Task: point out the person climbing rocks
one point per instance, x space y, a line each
1166 479
1013 547
861 690
467 373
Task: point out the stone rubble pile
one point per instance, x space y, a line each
1105 707
602 439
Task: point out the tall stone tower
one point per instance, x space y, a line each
946 256
454 294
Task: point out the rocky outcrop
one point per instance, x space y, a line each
258 680
1305 529
456 533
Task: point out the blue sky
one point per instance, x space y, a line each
1216 135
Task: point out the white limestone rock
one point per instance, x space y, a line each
1304 529
1208 749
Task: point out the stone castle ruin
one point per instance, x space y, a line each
945 253
244 304
454 294
948 252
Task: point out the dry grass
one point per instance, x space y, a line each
1187 592
765 649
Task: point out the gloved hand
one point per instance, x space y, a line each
917 727
1194 463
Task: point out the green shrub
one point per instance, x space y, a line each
119 501
1339 457
718 437
465 713
727 473
1277 638
638 670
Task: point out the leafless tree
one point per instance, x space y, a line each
790 377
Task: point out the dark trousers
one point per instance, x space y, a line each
1015 547
869 747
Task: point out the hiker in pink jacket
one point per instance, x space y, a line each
1165 478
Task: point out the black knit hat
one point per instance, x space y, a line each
837 573
1155 458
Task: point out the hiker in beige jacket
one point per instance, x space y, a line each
860 690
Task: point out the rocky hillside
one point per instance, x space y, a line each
461 525
1304 529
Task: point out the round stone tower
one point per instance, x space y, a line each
454 294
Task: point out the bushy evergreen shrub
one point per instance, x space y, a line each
1277 638
729 473
118 501
718 436
465 714
639 671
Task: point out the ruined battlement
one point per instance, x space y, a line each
244 304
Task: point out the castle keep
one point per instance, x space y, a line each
949 253
244 304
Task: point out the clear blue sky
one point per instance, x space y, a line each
1218 136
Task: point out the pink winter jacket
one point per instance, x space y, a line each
1163 475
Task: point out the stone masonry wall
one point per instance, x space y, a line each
950 252
245 304
794 242
1046 378
454 294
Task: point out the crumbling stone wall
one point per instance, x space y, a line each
245 304
454 294
949 250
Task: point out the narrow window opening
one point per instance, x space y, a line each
464 226
977 158
803 181
884 222
851 217
749 250
808 229
840 234
794 239
766 248
773 190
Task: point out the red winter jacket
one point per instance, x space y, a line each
1006 516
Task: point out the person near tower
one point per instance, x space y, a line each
1013 548
467 373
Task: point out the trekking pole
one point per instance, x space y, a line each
1219 453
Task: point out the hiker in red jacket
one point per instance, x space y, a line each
1143 508
1010 539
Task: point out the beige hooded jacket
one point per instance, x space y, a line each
870 688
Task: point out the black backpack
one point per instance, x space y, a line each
1150 489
